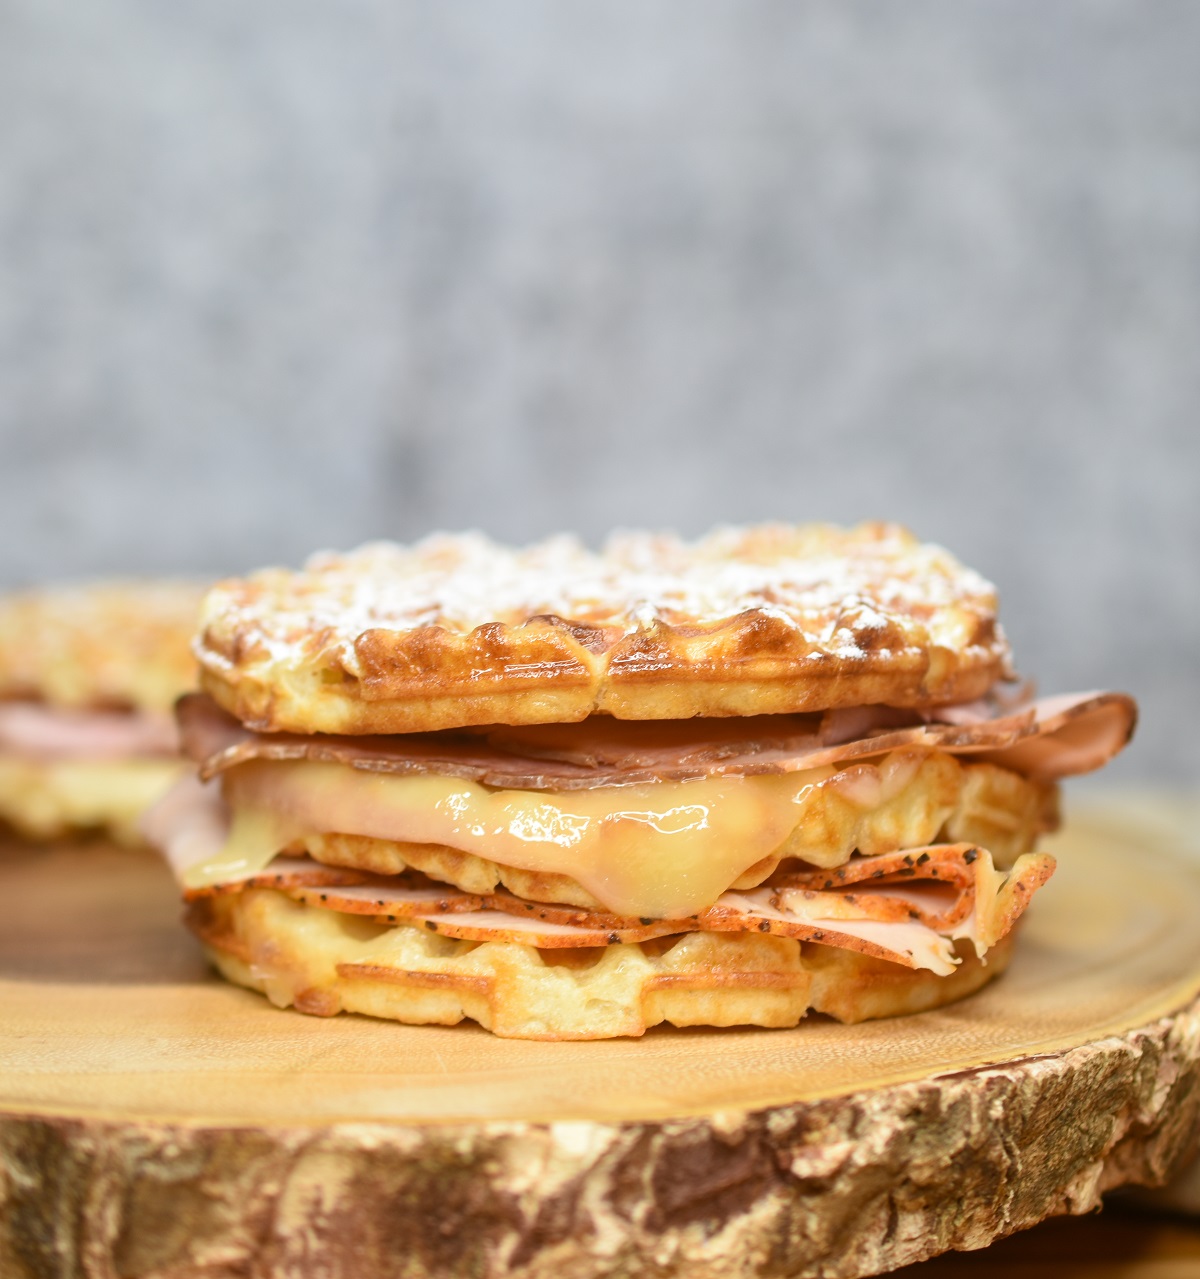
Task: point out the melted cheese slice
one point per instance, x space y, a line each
191 825
665 850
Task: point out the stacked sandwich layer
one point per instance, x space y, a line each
88 676
572 795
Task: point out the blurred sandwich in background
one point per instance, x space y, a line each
88 676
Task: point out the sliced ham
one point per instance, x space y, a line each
217 742
1075 734
908 908
349 891
970 898
493 925
188 825
35 730
1047 739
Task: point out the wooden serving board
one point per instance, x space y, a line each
156 1122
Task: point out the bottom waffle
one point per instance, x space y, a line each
325 962
46 799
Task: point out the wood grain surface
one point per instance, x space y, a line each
180 1126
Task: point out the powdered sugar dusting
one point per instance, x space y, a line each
845 591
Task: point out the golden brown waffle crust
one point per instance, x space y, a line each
458 630
100 644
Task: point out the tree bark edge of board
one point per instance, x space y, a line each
845 1186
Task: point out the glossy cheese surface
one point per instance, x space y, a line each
666 849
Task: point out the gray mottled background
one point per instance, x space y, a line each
279 275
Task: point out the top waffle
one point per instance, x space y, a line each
457 630
118 644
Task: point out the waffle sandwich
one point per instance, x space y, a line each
573 795
88 677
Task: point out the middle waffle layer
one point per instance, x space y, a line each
907 800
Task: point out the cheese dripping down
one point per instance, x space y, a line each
192 823
662 849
